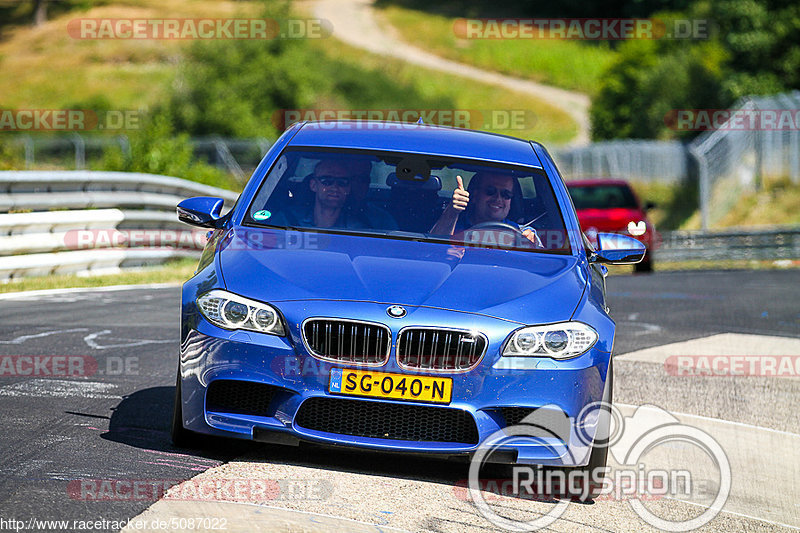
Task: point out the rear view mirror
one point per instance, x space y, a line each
203 211
616 249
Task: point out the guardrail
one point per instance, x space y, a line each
86 238
750 244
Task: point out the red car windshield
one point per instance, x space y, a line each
602 197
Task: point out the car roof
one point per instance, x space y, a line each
596 181
417 138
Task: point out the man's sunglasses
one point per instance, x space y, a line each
505 193
327 181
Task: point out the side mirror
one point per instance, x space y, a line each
616 249
203 211
650 205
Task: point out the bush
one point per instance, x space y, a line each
157 149
234 88
10 157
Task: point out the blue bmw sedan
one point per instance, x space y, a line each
399 287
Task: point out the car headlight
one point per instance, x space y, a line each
231 311
559 341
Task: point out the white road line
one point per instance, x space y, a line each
742 515
643 327
21 339
59 388
764 466
34 295
720 420
91 342
735 344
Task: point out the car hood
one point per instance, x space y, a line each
613 219
276 265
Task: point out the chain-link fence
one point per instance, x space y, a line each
237 156
759 140
646 161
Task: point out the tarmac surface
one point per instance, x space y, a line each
98 448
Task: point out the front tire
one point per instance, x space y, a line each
646 265
599 456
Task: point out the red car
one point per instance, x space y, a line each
611 206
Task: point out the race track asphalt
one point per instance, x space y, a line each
113 424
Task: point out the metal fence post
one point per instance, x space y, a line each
27 142
125 144
80 151
702 171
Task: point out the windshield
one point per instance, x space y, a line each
602 196
411 196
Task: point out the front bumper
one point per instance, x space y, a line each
485 393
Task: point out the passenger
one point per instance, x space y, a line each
491 202
331 186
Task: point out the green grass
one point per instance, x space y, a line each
172 272
675 202
541 122
568 64
776 204
44 68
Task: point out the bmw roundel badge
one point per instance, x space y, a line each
396 311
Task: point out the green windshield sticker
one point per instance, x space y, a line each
262 215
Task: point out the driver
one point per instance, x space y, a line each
491 202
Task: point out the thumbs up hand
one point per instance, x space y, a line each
460 196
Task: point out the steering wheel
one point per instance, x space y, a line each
520 240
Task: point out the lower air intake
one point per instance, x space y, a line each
390 421
240 397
